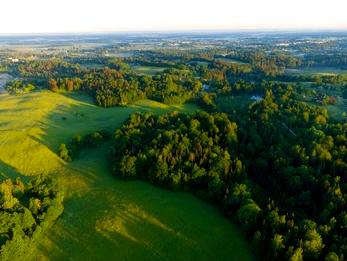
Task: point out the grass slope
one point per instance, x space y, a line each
147 70
105 218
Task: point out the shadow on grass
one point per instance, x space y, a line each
109 219
83 118
103 236
7 171
134 221
81 97
112 219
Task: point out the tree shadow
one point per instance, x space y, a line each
84 117
109 219
7 171
109 241
111 225
81 97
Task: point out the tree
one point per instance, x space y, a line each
53 85
297 255
64 153
313 244
248 214
127 167
331 257
7 200
277 244
321 120
239 193
70 85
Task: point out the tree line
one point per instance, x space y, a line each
110 87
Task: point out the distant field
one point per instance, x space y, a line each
336 110
229 60
121 54
233 102
93 65
105 218
316 70
147 70
221 59
204 63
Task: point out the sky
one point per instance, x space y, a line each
66 16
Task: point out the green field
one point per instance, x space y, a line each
147 70
232 103
336 111
229 60
105 218
320 70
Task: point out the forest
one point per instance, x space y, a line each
284 185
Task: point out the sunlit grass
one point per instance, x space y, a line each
147 70
105 218
318 70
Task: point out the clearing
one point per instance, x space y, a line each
147 70
106 218
316 70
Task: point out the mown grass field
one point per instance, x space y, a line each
229 60
106 218
319 70
147 70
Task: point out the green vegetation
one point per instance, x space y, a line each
118 220
111 88
328 96
25 125
233 103
73 149
147 70
250 127
18 87
191 152
283 185
316 70
26 211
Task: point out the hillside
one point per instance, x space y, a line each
134 219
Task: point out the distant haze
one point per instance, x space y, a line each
58 16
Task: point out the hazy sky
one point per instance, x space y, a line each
34 16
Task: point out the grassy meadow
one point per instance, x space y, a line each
106 218
230 103
147 70
316 70
229 60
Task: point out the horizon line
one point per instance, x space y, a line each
163 31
